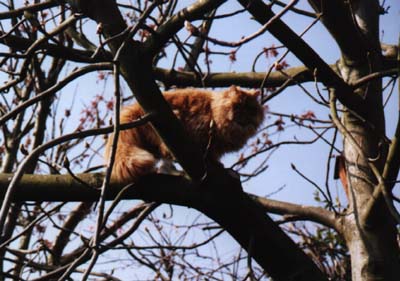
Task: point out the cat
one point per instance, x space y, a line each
217 122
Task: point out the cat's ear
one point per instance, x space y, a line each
254 93
234 88
232 91
237 89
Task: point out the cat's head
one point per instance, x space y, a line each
240 107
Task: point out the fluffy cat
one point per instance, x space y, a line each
235 115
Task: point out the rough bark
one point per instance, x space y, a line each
373 247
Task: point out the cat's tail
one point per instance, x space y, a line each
131 163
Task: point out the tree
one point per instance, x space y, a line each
55 221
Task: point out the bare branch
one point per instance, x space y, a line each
262 13
30 8
53 89
11 190
165 32
227 205
316 214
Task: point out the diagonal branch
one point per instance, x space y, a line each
30 8
165 32
233 210
352 49
131 55
197 46
262 13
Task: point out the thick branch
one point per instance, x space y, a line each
185 78
233 210
175 191
165 32
11 190
336 17
315 214
225 79
136 66
262 13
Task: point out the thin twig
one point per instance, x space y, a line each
263 29
40 149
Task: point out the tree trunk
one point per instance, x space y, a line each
372 244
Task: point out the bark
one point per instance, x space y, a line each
222 200
373 246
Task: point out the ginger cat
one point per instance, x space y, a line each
235 115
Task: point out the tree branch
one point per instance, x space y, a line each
22 44
53 89
391 168
30 8
316 214
353 50
186 78
233 210
225 79
131 55
165 32
262 13
14 182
